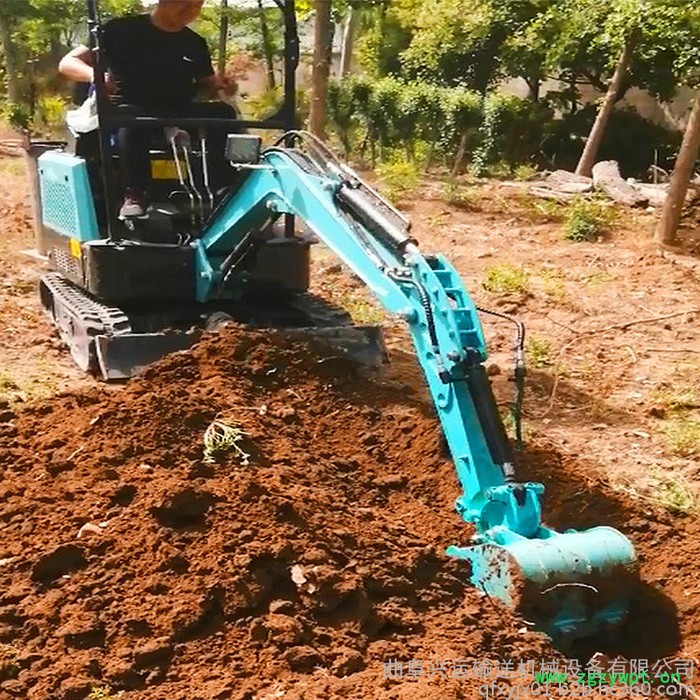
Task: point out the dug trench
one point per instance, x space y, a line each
298 566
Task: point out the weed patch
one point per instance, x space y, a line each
222 438
539 352
683 436
399 178
506 279
587 219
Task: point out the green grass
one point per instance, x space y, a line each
539 352
597 279
27 388
683 436
362 311
460 195
587 219
676 400
222 438
539 209
506 279
667 490
525 173
553 285
398 179
14 166
7 383
103 693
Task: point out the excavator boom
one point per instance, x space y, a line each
570 583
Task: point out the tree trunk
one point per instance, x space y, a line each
323 39
267 47
585 165
682 172
459 158
223 38
352 22
14 88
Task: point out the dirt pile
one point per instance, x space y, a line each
296 565
130 561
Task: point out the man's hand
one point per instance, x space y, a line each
219 85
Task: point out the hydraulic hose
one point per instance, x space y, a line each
519 371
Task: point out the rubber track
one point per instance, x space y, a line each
101 319
79 318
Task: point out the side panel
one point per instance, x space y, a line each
67 205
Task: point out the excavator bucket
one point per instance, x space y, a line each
572 586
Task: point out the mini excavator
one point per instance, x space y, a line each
122 294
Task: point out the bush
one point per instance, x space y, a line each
16 115
399 178
587 219
401 114
511 132
51 110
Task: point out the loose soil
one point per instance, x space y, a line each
128 561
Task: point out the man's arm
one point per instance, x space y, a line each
77 65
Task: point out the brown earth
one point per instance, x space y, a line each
300 574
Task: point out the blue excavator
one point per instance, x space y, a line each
123 293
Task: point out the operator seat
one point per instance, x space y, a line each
166 192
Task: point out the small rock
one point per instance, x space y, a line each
345 465
138 628
286 413
348 661
61 561
297 574
59 466
75 689
257 630
316 555
369 439
124 495
89 529
302 659
83 635
283 630
390 481
155 653
493 369
281 607
186 507
14 687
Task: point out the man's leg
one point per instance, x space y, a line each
134 162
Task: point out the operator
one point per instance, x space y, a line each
157 65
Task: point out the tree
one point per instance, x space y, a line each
323 43
682 172
35 33
590 151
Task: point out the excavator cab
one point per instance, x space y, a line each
144 270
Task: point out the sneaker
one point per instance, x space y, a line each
134 205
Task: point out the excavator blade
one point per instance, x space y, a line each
572 586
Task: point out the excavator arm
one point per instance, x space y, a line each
570 583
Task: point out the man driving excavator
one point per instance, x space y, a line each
159 65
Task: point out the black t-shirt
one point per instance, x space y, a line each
153 67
